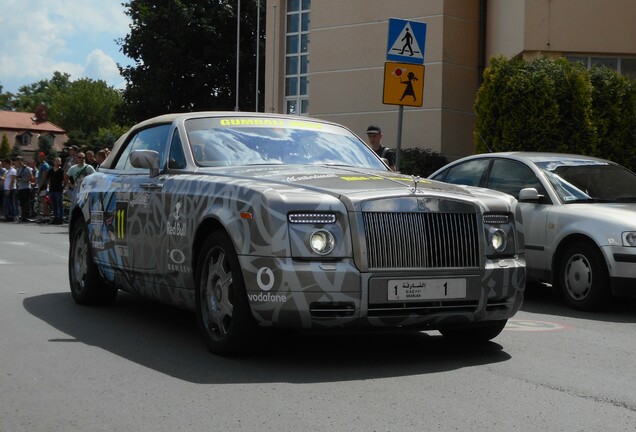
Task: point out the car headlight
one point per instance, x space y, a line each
322 242
500 234
629 239
321 236
498 240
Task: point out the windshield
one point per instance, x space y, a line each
255 141
587 181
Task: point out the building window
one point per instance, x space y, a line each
297 57
25 139
624 66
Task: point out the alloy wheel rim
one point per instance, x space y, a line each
216 295
80 256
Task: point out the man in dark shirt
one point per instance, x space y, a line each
374 133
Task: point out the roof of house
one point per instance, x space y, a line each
24 122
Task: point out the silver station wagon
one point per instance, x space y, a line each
579 218
254 220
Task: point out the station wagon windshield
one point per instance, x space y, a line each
247 141
590 181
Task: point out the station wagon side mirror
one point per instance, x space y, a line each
529 194
146 159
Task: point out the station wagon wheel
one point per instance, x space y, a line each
222 310
479 332
87 286
583 277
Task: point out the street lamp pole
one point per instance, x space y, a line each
238 40
258 48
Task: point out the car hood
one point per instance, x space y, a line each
355 185
621 213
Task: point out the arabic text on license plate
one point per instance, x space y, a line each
426 289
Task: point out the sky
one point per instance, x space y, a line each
39 37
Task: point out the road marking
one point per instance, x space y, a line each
521 325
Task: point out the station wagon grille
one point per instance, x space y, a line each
421 240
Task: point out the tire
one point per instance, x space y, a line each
222 310
87 286
583 277
478 333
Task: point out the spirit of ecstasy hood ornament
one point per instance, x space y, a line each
416 180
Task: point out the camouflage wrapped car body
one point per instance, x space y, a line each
406 252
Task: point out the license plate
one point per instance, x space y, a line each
426 289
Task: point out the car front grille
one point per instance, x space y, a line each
421 240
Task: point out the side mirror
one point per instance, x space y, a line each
529 195
146 159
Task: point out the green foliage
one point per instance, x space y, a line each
420 162
43 91
45 144
555 106
185 56
614 108
85 106
5 148
106 137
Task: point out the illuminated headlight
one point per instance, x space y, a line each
498 240
322 242
629 239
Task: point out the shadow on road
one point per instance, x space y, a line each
541 299
166 339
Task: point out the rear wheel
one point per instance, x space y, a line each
480 332
222 310
583 277
87 287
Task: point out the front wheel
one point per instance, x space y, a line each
479 332
87 287
222 310
583 277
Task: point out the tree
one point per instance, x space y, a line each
45 144
185 54
43 91
614 115
5 147
5 100
556 106
544 105
85 106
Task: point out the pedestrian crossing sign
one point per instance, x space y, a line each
403 84
406 41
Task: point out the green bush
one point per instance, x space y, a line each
556 106
420 162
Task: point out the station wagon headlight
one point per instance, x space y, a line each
322 242
500 234
629 239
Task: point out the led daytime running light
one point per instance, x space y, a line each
312 218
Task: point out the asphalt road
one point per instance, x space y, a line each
141 366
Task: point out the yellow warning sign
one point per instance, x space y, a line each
403 84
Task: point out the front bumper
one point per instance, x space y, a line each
283 292
622 269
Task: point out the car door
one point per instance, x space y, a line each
139 219
510 176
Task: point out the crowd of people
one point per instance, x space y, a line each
36 190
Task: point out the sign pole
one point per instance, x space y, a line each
399 138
